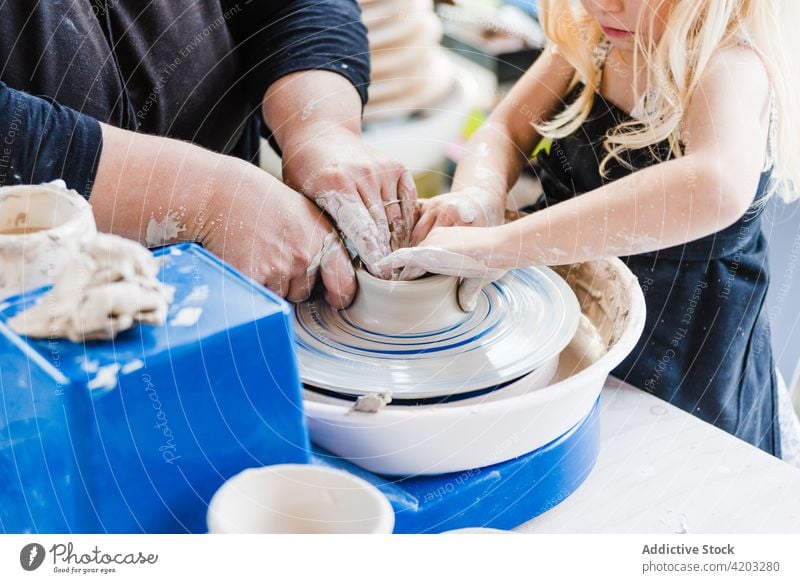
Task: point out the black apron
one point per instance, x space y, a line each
706 342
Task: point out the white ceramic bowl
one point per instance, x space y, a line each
298 498
57 221
434 439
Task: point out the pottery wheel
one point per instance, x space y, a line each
520 322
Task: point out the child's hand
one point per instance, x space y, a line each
458 252
473 207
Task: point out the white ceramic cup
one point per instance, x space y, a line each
405 307
297 498
58 220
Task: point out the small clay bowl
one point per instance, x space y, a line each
41 227
405 307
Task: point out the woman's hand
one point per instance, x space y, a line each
277 237
372 199
315 117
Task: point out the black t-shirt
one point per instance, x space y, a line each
195 70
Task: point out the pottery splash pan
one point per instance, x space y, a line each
412 340
508 422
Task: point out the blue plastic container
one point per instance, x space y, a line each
136 434
500 496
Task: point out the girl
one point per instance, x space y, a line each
663 116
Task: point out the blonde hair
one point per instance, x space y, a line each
694 31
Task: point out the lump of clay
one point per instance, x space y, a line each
107 288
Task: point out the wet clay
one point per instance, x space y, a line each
604 293
107 288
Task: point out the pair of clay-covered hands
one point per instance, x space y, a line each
438 246
373 203
284 242
403 238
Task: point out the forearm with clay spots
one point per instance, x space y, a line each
157 190
665 205
497 152
306 105
491 163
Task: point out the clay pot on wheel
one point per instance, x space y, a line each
405 307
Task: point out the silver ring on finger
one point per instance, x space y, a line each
390 203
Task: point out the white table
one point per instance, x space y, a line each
662 470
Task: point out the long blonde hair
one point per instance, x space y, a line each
694 31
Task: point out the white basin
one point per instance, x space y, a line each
481 431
